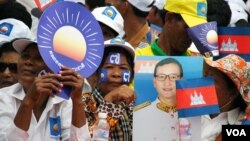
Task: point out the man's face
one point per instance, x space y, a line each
176 31
107 32
116 3
29 65
164 82
154 17
8 68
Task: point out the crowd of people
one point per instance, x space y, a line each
30 109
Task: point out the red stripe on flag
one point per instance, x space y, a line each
240 42
204 96
42 6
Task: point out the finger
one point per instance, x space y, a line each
133 97
50 75
46 91
69 78
247 111
67 71
52 81
243 117
51 87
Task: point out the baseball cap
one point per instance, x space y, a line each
238 13
109 16
194 12
241 3
160 4
143 5
20 44
120 43
12 28
237 70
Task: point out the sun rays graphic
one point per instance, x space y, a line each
68 31
209 36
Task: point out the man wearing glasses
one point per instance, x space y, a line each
161 114
8 65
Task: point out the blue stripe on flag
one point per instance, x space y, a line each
196 82
246 122
244 56
198 111
243 31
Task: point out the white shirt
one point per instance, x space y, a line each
10 101
153 124
211 128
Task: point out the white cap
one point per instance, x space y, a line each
109 16
102 115
119 42
248 6
12 28
238 13
143 5
241 3
160 4
21 44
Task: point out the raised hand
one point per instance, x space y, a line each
46 84
123 93
71 78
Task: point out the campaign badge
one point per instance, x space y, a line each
55 127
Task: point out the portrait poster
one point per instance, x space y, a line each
150 124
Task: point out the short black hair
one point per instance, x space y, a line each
242 23
219 11
7 47
92 4
17 11
102 24
168 61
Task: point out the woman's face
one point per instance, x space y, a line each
114 73
29 65
225 93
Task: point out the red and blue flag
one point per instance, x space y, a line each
196 97
234 40
246 121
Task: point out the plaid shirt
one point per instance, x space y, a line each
120 115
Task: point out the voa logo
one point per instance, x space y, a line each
236 132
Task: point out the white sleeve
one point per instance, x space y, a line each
69 131
8 130
16 134
80 134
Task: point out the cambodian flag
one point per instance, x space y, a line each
196 97
43 4
247 121
234 40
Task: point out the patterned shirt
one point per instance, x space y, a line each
120 116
